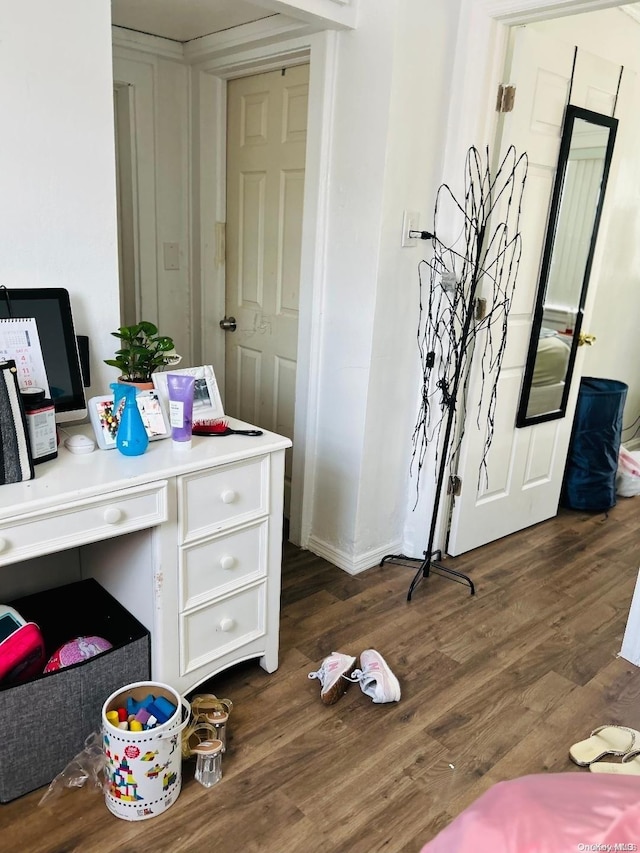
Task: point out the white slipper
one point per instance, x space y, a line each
605 740
629 766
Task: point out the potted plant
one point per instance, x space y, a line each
142 352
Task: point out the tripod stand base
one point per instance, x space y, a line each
426 566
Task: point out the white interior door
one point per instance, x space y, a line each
526 466
266 141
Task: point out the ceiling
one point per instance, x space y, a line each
184 20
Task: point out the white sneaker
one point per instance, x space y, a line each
375 677
334 675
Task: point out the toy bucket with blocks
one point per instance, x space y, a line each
143 770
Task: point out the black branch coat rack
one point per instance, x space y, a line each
465 293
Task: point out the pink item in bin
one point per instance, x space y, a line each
76 651
22 654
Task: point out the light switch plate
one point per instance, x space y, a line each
171 252
410 222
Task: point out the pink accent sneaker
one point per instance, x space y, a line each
376 679
334 675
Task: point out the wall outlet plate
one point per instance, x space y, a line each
171 253
410 222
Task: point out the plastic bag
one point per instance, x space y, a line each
628 474
87 766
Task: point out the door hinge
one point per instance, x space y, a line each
505 98
481 308
455 486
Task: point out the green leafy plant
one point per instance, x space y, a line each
142 352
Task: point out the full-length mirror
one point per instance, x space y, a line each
576 206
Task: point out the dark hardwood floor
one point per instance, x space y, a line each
493 686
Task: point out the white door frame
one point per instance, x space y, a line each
209 191
478 65
479 60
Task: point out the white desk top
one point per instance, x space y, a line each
71 477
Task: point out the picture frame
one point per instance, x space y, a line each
105 421
207 402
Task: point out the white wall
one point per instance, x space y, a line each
615 36
424 49
361 127
58 211
160 101
387 151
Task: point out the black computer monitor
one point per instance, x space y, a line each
51 309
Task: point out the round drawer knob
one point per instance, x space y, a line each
227 561
227 624
228 496
112 515
3 544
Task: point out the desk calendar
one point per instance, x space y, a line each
19 341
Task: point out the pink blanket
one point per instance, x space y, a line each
548 813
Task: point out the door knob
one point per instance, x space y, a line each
228 324
585 338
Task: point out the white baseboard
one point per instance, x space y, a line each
349 564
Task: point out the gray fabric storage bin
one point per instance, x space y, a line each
45 721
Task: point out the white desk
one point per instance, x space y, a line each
189 542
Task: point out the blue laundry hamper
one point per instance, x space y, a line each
590 474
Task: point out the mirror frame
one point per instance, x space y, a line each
572 114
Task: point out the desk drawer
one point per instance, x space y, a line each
84 521
216 499
215 567
221 627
